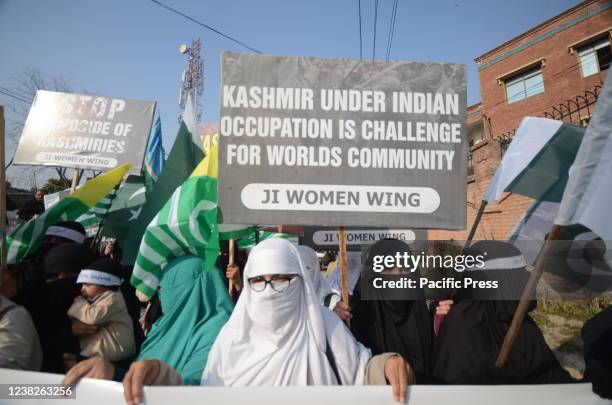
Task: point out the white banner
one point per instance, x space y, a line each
100 392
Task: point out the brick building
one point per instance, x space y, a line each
554 70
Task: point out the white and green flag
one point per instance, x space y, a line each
186 224
537 161
91 219
27 237
588 196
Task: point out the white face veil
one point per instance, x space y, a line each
277 338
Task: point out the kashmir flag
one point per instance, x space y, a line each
249 241
155 156
186 224
92 218
227 231
183 158
28 237
537 161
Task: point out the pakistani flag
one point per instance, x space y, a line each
125 208
578 256
27 237
182 160
537 161
583 252
186 224
588 196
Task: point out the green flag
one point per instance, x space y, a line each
250 241
546 175
183 158
186 224
28 237
92 218
537 161
125 209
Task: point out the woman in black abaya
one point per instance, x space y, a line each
474 329
387 322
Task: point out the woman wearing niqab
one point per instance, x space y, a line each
473 331
387 323
279 334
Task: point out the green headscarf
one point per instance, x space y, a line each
195 306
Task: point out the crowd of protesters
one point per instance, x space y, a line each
271 317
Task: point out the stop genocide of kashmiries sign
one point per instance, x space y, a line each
85 132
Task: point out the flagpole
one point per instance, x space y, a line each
75 179
523 306
232 245
3 194
481 209
344 289
101 224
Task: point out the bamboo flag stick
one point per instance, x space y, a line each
75 180
344 288
523 306
232 246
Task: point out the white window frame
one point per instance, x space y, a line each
522 78
590 49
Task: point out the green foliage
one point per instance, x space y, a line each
578 310
55 185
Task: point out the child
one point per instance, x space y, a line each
101 303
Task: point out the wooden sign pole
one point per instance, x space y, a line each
3 193
232 247
344 288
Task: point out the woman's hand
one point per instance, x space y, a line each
95 367
232 272
141 373
444 307
80 329
399 375
343 310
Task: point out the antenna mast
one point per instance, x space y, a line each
193 77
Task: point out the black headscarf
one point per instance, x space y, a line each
401 326
48 303
473 331
67 258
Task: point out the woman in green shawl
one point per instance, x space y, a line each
195 305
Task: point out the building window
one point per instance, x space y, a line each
594 57
524 85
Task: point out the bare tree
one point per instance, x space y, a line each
25 86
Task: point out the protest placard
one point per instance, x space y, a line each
85 131
310 141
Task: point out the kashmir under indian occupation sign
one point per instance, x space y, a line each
85 132
311 141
